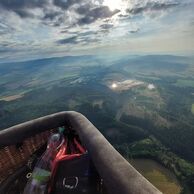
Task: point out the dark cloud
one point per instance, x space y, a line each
106 26
123 15
64 4
134 31
89 37
88 33
51 15
90 40
88 12
19 4
54 19
87 40
97 13
154 6
83 9
3 51
6 48
24 13
161 6
20 7
81 37
64 31
59 21
72 40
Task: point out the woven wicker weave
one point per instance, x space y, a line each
14 156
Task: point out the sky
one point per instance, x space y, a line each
45 28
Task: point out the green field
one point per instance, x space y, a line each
159 176
184 83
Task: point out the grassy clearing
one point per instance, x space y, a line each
184 83
159 176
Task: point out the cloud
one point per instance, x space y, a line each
18 4
22 7
44 26
134 31
87 33
24 13
97 13
82 9
5 29
51 15
64 4
152 6
4 50
106 26
81 38
71 40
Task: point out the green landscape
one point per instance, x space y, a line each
192 109
142 104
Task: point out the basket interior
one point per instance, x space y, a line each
13 157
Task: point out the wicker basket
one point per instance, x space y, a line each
15 156
18 145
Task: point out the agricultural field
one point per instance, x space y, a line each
158 175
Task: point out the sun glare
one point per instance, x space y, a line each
114 4
114 85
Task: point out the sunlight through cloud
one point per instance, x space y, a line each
116 4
